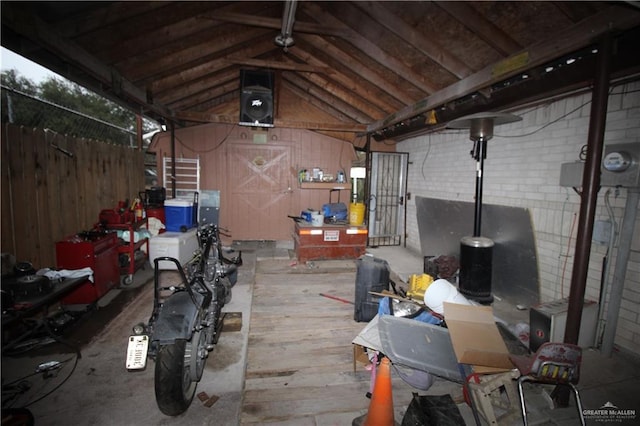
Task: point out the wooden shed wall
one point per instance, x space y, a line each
48 195
255 171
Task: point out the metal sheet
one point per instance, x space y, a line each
443 223
419 345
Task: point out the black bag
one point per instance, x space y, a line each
432 410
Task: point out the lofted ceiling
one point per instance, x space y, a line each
348 68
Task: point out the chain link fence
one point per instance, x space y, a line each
22 109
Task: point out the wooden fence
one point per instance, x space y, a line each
54 186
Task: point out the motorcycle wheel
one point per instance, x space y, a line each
173 384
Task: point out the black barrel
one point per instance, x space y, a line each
372 275
476 258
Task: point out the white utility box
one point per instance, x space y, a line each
179 245
548 320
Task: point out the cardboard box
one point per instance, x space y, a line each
476 339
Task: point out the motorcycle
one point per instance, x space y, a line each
186 321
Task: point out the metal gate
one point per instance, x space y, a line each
386 204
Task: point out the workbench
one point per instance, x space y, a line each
35 308
329 241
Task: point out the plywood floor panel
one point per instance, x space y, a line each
300 356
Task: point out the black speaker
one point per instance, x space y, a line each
256 98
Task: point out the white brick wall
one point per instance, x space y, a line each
522 169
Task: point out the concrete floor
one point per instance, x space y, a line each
96 389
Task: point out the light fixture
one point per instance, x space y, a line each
476 252
285 38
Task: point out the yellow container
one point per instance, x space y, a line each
418 285
356 214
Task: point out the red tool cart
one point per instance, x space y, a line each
131 248
97 250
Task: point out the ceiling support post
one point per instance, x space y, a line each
590 188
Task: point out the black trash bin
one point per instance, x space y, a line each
372 275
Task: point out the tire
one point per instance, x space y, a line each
173 384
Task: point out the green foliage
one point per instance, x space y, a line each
83 113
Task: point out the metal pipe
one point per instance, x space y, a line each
604 287
288 18
285 38
173 158
590 187
620 271
480 155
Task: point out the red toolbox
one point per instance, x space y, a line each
99 251
329 242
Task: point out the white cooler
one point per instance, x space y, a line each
179 245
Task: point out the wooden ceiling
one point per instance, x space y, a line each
389 69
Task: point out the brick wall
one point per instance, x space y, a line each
522 169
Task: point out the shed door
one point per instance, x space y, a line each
259 178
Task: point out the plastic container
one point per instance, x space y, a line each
179 215
441 291
372 274
356 214
418 285
179 245
317 219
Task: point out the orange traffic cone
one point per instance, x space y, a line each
381 406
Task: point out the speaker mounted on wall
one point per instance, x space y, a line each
256 98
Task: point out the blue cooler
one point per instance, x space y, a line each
178 215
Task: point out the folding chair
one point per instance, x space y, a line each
553 363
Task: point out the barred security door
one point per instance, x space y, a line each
388 187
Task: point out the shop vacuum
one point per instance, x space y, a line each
476 252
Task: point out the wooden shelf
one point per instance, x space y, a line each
325 185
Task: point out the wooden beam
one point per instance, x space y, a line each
354 84
300 27
361 104
372 50
358 68
225 83
165 86
320 93
31 27
199 117
321 105
423 43
109 16
158 38
568 40
180 57
276 65
482 27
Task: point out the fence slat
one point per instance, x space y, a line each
47 195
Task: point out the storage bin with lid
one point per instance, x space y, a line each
179 215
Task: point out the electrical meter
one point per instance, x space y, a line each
621 165
617 161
